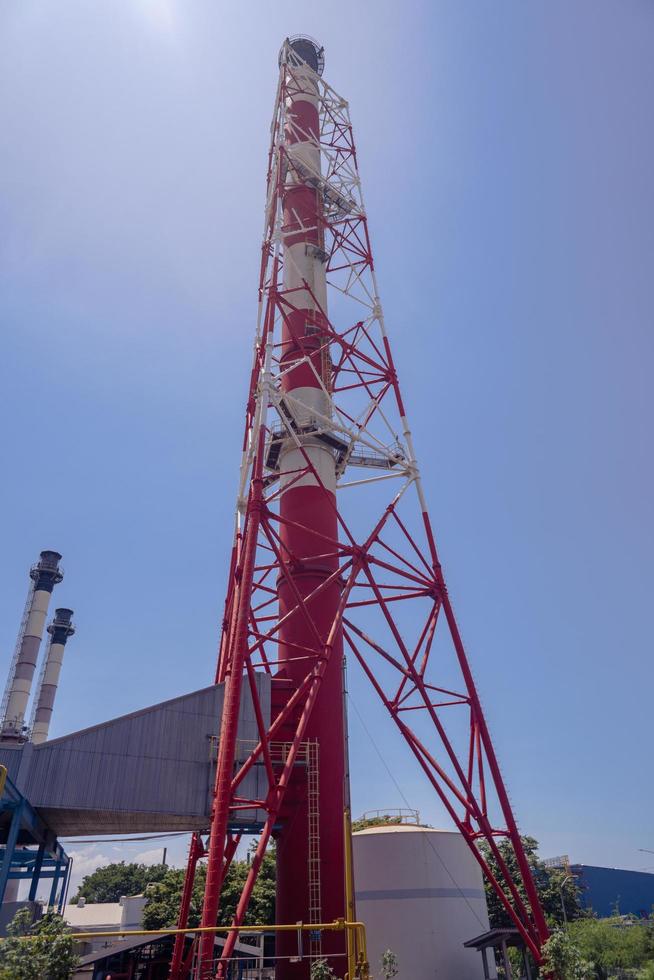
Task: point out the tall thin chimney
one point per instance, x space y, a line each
59 629
44 575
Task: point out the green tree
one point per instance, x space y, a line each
612 944
382 821
109 883
648 926
321 970
262 903
40 951
564 959
551 884
164 896
388 964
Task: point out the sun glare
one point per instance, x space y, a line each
160 14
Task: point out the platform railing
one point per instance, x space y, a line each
355 929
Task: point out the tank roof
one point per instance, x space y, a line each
403 828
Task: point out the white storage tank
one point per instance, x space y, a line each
420 893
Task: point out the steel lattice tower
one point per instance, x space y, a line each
334 550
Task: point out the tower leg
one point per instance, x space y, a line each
196 851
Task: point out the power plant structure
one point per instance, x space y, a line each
150 770
44 575
59 630
19 821
333 550
333 554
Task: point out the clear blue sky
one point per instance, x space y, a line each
506 153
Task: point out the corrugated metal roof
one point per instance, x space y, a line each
403 828
151 770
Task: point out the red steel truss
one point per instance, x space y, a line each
354 563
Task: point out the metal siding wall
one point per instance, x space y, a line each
11 758
148 770
602 888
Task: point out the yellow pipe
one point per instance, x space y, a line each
361 961
335 926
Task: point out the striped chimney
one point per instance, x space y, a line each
44 575
59 629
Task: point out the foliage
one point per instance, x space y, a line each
389 967
563 958
383 821
262 903
551 884
164 896
321 970
612 944
48 953
109 883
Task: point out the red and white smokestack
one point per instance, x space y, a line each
59 629
44 575
308 503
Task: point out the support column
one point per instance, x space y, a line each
55 881
10 847
525 960
505 961
38 864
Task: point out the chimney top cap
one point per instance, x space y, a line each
308 49
50 557
64 615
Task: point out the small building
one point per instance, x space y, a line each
86 916
123 958
149 956
494 947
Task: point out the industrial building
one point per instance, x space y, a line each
607 891
148 957
44 575
84 916
150 770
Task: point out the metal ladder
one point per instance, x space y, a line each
313 808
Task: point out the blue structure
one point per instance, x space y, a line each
605 890
29 850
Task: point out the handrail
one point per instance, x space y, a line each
334 926
337 925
